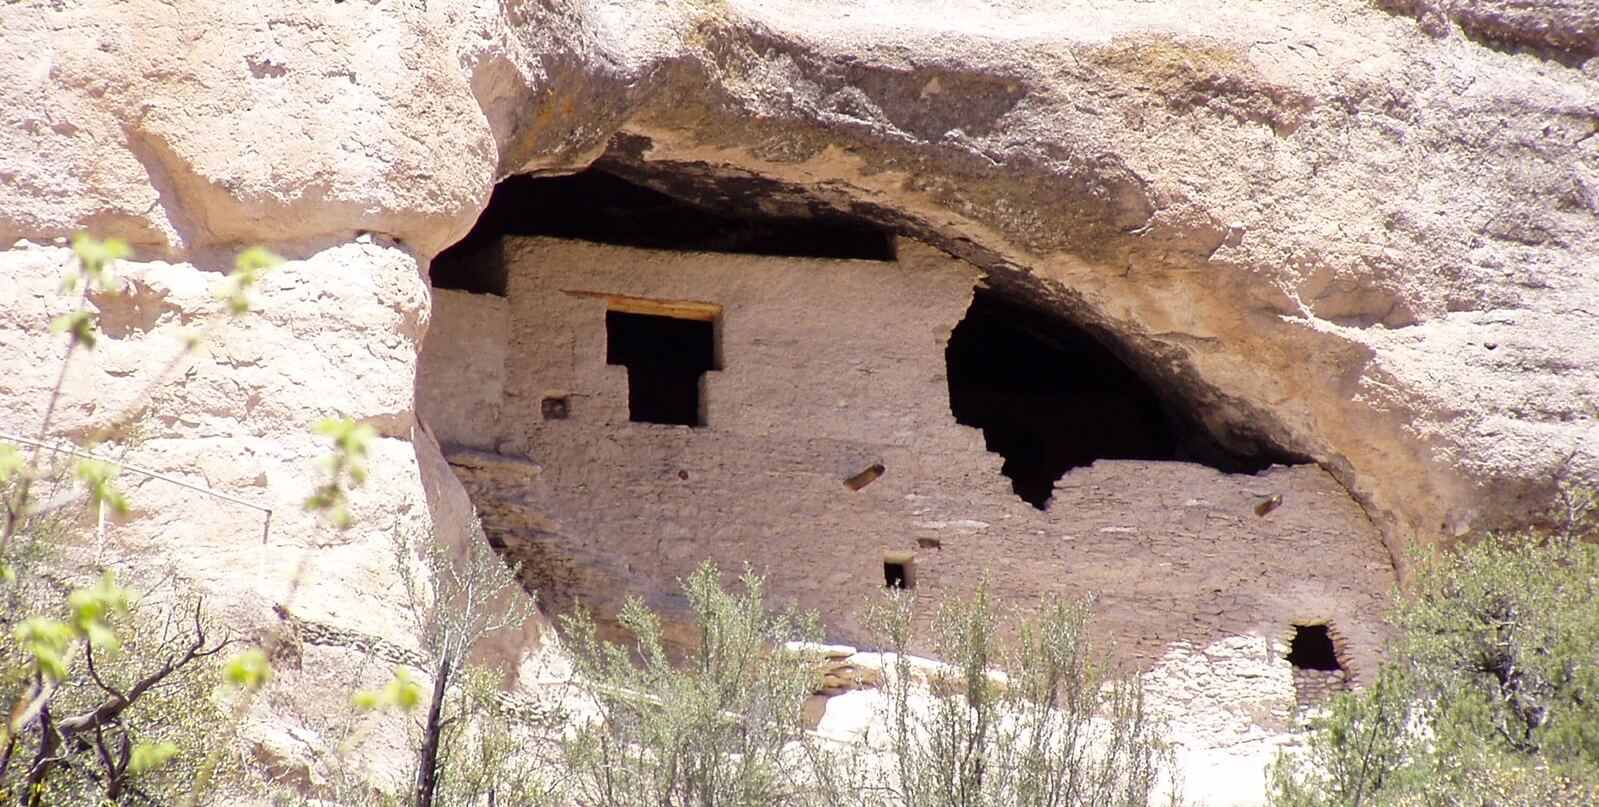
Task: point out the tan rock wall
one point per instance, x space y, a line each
1406 206
1373 241
1290 214
236 417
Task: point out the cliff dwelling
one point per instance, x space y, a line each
629 385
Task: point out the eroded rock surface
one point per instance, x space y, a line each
1366 238
1365 241
1278 213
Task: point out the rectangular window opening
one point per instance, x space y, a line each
666 355
899 571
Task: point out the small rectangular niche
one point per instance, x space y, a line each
555 407
899 571
667 346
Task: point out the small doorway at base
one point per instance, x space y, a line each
1319 672
899 571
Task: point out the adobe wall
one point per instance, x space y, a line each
829 366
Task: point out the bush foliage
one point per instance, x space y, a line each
718 727
1491 693
1023 713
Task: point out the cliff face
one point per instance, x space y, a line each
1351 234
1326 227
1334 229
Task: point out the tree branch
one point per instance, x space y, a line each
111 708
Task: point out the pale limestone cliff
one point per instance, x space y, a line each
1363 237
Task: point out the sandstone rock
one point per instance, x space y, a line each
1324 227
830 652
1563 30
216 123
1228 200
236 418
1277 214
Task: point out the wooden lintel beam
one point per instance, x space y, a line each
677 309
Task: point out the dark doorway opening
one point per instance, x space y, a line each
665 359
597 206
897 574
1051 397
1312 649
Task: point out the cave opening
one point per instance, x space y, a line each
665 357
1049 397
595 205
1312 648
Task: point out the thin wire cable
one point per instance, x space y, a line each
266 524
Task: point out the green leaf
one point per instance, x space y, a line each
95 257
248 670
46 640
255 259
349 436
80 324
346 467
101 636
399 692
149 756
402 691
250 265
51 665
92 609
330 502
95 253
98 477
11 462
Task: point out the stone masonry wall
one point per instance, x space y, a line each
827 368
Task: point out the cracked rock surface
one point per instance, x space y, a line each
1366 234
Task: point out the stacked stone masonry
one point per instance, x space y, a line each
829 368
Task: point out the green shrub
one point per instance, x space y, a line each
1041 720
113 696
719 728
1491 696
722 726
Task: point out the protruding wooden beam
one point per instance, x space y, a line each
865 477
677 309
